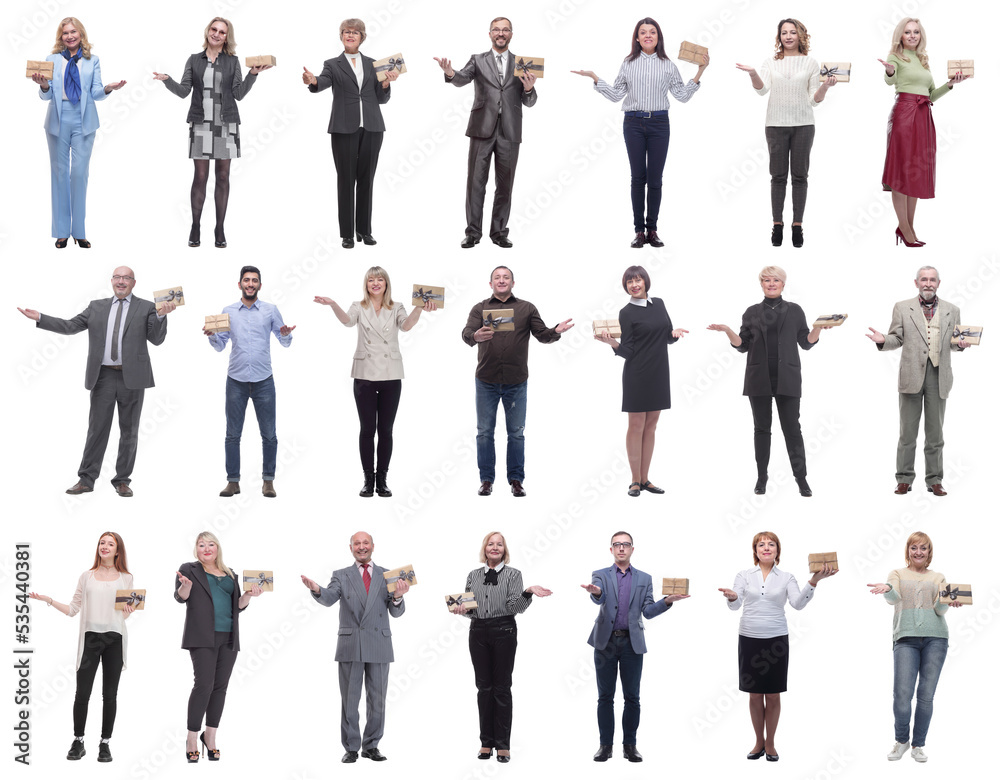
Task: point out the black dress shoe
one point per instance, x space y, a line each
347 243
76 751
639 241
369 487
373 754
468 242
504 243
517 489
647 486
761 487
349 757
603 753
632 754
777 233
796 235
634 488
486 488
380 487
755 756
503 759
769 757
104 753
367 239
652 239
485 756
804 489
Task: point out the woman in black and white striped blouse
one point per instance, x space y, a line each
645 78
499 596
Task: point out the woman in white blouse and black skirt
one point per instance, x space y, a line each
645 78
499 595
763 648
103 638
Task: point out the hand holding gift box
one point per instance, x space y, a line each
533 65
675 586
957 595
498 319
404 574
966 67
692 52
967 334
424 293
383 66
841 71
262 61
173 296
133 599
42 67
607 328
830 321
460 603
818 560
216 323
262 578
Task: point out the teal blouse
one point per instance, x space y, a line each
222 600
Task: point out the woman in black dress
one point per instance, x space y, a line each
646 332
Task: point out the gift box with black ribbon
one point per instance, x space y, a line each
535 65
393 576
829 321
260 577
498 319
174 294
137 598
958 594
839 70
970 334
383 66
423 293
466 599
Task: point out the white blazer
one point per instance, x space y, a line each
377 357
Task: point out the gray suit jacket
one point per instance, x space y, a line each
482 69
348 101
141 325
640 605
909 331
364 633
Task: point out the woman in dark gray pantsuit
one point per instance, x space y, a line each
770 332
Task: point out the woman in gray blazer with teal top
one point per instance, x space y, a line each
377 370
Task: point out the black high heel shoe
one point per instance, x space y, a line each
797 235
193 756
194 237
220 239
367 239
486 756
213 755
61 243
82 243
777 233
804 489
760 489
503 759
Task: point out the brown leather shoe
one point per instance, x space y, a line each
517 489
79 488
903 488
653 240
123 490
230 490
639 241
486 488
268 489
937 490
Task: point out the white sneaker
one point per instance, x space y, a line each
918 754
899 750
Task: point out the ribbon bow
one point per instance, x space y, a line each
170 296
454 602
963 332
133 599
492 577
427 296
529 65
409 576
490 321
260 579
392 64
952 593
832 318
834 71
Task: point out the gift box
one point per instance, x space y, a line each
498 319
675 586
818 560
175 294
968 68
137 598
260 577
535 65
39 66
383 66
829 320
217 323
610 327
971 334
960 594
691 52
424 293
468 599
260 61
395 575
840 70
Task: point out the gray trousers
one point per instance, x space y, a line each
504 154
375 678
932 404
109 392
794 144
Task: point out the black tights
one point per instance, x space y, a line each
103 649
377 404
199 188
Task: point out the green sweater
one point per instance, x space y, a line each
918 605
914 78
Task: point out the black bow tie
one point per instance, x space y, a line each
492 578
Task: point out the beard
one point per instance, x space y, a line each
251 295
928 295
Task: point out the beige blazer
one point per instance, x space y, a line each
909 331
377 357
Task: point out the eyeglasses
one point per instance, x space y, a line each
498 30
621 545
122 278
355 33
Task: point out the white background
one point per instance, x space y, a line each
571 227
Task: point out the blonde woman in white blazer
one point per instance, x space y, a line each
377 370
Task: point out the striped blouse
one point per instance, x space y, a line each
644 83
507 597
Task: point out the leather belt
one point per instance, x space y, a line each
620 632
646 114
113 368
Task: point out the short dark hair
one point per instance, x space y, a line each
622 533
249 268
635 272
503 267
505 19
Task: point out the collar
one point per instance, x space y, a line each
647 56
494 299
362 566
928 304
357 54
774 568
498 569
127 299
628 569
204 54
639 301
254 305
494 53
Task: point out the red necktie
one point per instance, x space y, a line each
366 578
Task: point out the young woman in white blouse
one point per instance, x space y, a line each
103 638
644 79
797 87
763 648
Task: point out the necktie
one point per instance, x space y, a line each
367 579
114 334
500 77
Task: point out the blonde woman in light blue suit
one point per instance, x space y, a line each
71 126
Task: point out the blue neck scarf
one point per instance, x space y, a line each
71 76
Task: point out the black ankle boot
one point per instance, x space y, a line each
796 235
380 487
369 489
777 232
761 487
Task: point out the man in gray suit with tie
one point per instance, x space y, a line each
118 372
364 644
922 327
625 596
494 129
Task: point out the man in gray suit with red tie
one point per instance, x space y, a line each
494 129
118 372
364 644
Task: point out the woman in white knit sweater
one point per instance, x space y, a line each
796 88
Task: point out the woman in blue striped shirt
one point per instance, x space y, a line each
645 78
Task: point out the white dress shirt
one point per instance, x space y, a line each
359 74
763 601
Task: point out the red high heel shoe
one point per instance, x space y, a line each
901 237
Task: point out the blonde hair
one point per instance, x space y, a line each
229 47
486 540
772 270
766 535
919 537
779 50
897 42
85 44
377 272
353 24
210 537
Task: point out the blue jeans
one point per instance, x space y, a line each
514 397
618 655
646 141
913 655
262 395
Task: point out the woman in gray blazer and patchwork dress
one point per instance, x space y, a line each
377 370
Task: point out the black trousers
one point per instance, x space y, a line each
355 156
213 667
110 391
107 651
788 415
377 404
492 645
504 154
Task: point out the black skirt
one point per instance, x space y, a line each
763 664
